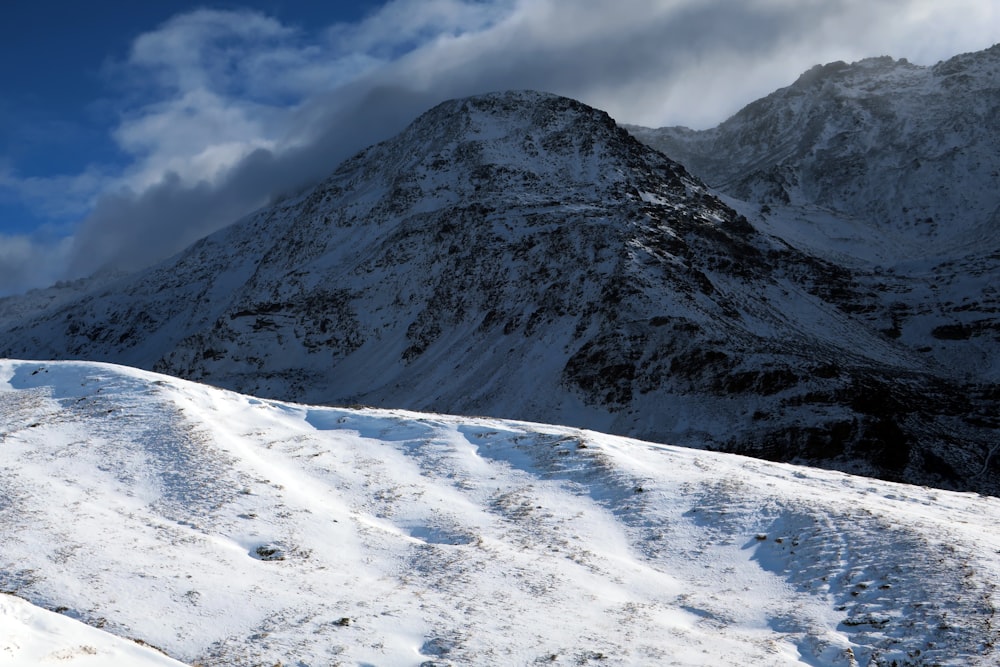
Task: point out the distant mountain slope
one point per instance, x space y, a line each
519 255
227 530
890 163
908 148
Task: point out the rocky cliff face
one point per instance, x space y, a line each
520 255
909 148
890 169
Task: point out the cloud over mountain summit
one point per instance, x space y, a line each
221 111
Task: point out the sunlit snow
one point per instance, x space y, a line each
222 530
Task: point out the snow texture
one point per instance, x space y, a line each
30 635
228 530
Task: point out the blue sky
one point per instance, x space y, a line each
59 93
131 129
59 63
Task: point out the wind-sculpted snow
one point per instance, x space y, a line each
228 530
519 255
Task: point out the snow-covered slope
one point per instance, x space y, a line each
16 308
30 635
519 255
229 530
909 149
890 169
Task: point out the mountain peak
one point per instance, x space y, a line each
520 255
526 127
888 168
519 147
513 104
881 140
493 116
853 74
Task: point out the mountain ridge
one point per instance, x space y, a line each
520 255
895 167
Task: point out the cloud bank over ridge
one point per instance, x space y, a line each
222 111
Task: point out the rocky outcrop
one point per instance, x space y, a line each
520 255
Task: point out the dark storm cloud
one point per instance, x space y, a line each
221 137
134 230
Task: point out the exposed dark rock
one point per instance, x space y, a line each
520 255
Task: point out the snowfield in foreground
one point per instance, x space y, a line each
33 636
228 530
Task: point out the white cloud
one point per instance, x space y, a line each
205 48
404 25
198 135
227 108
27 262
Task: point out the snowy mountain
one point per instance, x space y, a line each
519 255
888 168
228 530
